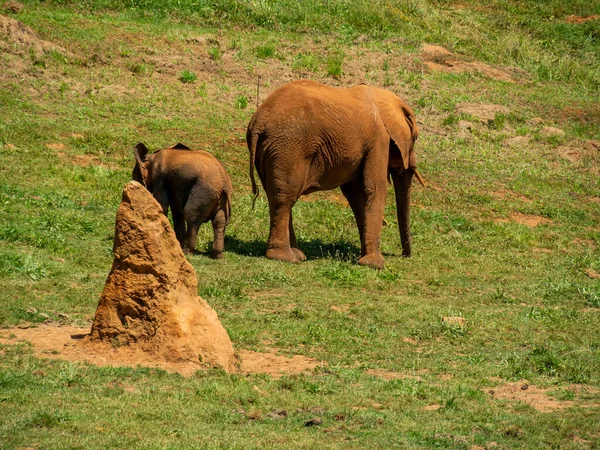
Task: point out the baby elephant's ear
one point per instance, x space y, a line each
180 146
140 171
140 151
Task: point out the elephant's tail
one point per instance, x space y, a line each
252 140
227 206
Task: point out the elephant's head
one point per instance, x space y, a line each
142 172
401 126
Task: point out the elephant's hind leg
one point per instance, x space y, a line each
198 210
179 226
354 194
219 222
278 245
293 244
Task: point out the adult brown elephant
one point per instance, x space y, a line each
307 137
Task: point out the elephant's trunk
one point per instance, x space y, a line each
402 185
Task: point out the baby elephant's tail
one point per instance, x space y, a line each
227 195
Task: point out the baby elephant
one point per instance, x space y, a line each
196 187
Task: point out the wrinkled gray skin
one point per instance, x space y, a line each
194 184
307 137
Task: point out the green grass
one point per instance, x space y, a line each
186 71
188 76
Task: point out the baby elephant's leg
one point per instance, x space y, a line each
198 210
219 222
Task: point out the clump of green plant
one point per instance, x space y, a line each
241 102
140 68
502 297
266 51
215 52
202 90
188 76
334 65
498 122
591 296
308 62
450 120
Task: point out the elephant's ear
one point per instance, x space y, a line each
140 152
180 146
400 123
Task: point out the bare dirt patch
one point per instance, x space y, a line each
529 220
580 19
86 160
571 154
537 398
439 59
485 112
16 37
12 7
433 407
584 242
56 146
334 196
343 309
517 141
592 274
389 375
275 365
72 344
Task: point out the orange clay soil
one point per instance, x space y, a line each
73 344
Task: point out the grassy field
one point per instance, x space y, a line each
506 235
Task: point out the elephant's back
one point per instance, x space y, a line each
303 103
191 164
299 94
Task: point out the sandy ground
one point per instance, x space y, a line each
72 344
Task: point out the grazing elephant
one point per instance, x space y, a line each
307 137
196 187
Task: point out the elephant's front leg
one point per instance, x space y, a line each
374 194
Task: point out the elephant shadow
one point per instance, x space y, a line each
313 248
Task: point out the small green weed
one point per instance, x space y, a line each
46 419
140 68
544 361
215 53
499 121
202 90
591 296
342 272
563 394
500 296
265 51
69 374
308 62
241 102
334 65
188 77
